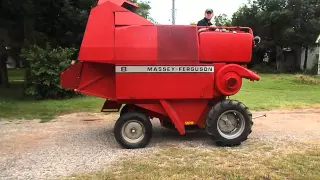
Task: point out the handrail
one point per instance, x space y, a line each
239 28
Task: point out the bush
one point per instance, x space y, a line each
265 68
43 72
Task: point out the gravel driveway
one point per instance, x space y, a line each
84 142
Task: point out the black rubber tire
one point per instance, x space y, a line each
124 110
133 116
212 120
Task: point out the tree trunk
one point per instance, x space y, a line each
305 58
280 59
4 79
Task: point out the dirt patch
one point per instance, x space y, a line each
297 125
84 142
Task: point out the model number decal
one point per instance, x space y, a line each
164 69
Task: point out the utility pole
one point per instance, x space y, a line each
173 12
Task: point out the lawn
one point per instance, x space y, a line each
14 106
255 160
283 91
273 91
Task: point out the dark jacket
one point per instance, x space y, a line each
204 22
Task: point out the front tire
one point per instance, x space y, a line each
229 123
133 130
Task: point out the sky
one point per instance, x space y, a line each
188 11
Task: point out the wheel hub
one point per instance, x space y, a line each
231 124
133 131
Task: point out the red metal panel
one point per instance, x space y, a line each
136 43
121 3
98 79
165 85
129 18
98 40
235 73
194 111
70 78
225 47
178 123
191 110
114 7
177 43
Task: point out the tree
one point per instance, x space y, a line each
60 23
281 23
144 9
222 20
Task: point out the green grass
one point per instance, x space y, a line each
252 161
14 106
280 91
273 91
46 110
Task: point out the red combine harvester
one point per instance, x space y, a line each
168 72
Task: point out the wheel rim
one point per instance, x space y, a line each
231 124
133 131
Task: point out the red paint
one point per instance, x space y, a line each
225 47
136 43
127 18
177 43
233 73
70 78
98 39
178 123
121 3
116 36
164 86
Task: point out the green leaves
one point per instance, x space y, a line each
286 22
144 8
222 20
45 66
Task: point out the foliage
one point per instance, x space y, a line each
61 23
222 20
264 68
281 24
43 75
144 9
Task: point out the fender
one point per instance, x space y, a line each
229 78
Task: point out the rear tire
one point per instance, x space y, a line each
133 130
229 123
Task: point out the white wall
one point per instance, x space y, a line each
313 57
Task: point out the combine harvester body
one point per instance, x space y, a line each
169 72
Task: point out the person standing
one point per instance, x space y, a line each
206 21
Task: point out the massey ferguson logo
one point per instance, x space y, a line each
123 69
180 69
164 69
